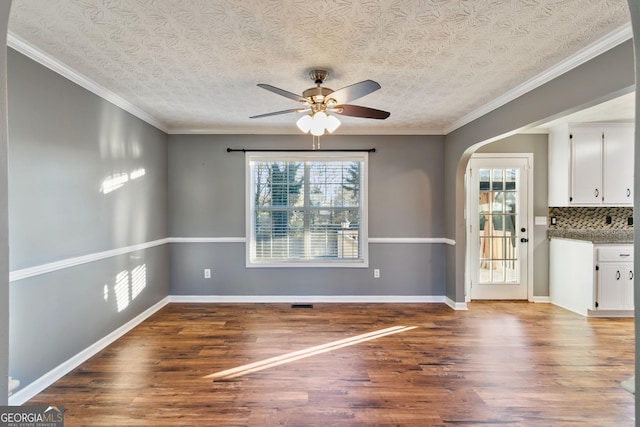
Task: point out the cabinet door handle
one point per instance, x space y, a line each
597 193
631 275
625 254
618 275
628 192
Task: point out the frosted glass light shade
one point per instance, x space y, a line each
319 121
304 123
332 123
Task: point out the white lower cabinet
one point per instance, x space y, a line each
614 267
591 279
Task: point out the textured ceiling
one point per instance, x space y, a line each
193 65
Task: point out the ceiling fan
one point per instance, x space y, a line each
318 101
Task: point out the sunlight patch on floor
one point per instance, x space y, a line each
301 354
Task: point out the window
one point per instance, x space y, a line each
307 209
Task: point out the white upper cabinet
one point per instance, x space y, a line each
618 166
559 159
591 164
586 162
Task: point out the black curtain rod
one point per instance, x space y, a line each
341 150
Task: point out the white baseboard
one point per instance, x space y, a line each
541 300
32 389
406 299
456 305
610 313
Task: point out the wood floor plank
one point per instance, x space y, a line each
497 364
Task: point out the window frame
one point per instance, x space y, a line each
286 156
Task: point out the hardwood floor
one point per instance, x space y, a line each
498 364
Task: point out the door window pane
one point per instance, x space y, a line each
498 208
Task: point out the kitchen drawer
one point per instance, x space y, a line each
615 253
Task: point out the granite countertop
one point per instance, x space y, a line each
610 235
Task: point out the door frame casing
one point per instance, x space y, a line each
530 219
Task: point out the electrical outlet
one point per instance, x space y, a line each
554 220
376 273
607 219
630 220
207 273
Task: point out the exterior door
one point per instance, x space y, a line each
498 225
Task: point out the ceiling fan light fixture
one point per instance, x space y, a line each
319 99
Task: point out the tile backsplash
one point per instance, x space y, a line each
590 218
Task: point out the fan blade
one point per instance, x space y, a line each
275 113
355 91
358 111
282 92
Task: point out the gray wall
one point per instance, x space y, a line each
536 144
63 142
609 75
57 315
207 199
5 7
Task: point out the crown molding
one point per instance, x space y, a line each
292 130
19 44
606 43
16 42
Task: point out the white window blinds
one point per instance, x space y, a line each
306 209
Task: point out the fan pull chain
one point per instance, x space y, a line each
315 145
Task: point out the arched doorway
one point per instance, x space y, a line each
540 105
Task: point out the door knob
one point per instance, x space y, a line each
523 229
523 240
